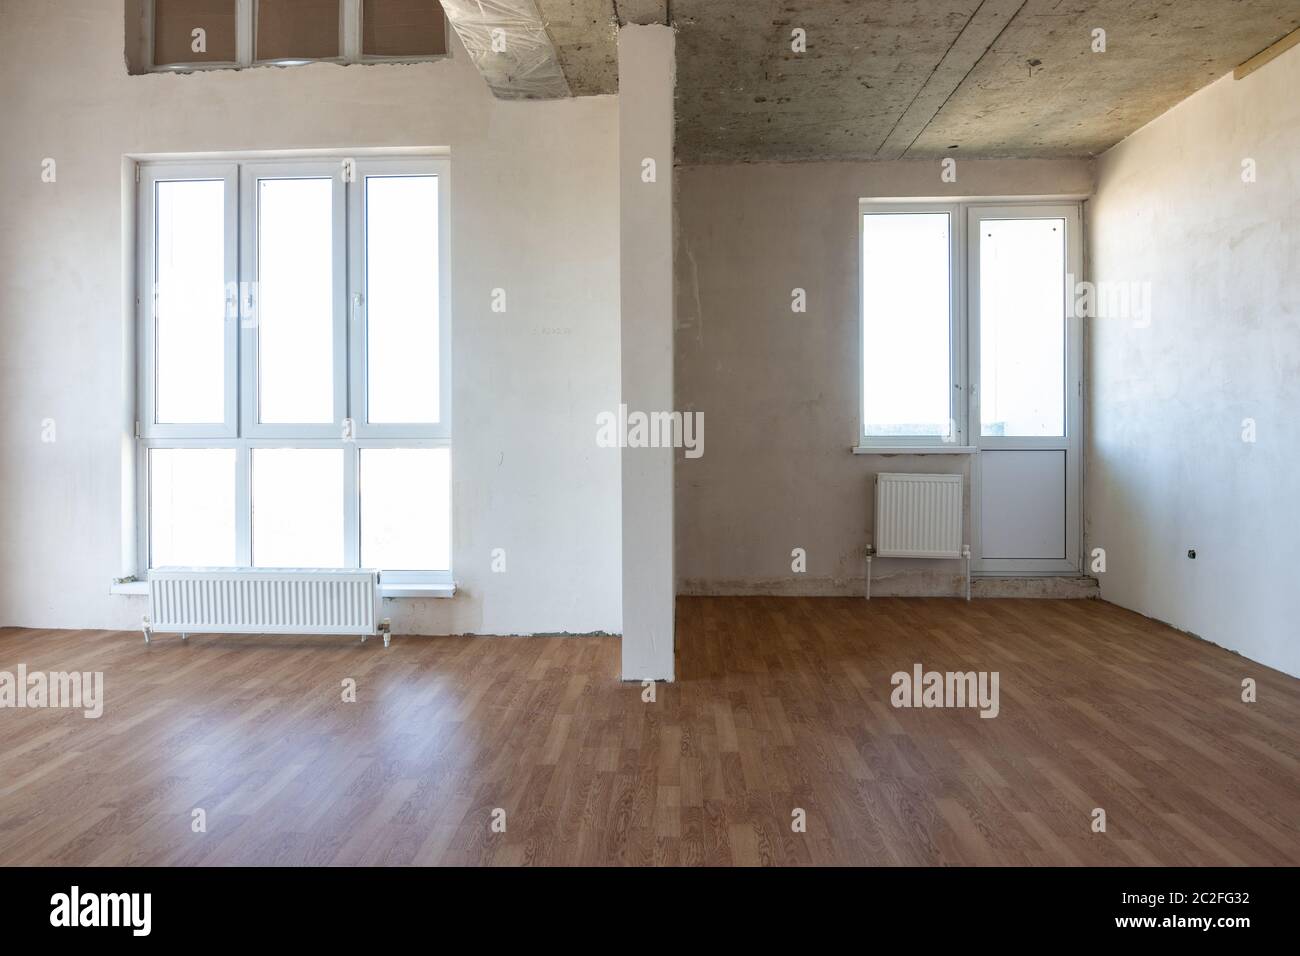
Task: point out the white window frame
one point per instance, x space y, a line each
240 430
249 306
148 179
1070 443
350 34
887 444
358 300
964 347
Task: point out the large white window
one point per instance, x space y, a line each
969 344
293 360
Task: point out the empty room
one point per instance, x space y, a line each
629 433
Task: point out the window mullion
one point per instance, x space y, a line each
243 504
350 30
245 11
351 505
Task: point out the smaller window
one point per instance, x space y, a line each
194 31
190 312
294 302
402 384
402 28
298 30
907 354
1022 327
405 514
228 34
192 507
298 519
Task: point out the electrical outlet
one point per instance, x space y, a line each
1191 553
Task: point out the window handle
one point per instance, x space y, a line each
356 306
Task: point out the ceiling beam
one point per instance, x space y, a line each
641 11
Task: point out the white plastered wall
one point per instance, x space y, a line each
534 211
1169 469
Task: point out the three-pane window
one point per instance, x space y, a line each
205 34
293 365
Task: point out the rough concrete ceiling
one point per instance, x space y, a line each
585 34
891 78
885 79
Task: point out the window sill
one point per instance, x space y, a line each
417 590
385 590
915 450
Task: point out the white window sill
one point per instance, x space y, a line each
417 590
385 590
915 450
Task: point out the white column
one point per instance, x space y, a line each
646 69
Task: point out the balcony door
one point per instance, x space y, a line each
1026 374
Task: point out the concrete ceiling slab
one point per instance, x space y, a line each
911 78
585 34
1041 90
889 79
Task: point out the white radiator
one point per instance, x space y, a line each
264 601
919 516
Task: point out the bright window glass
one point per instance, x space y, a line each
297 498
191 507
405 508
1022 327
295 315
189 319
906 325
402 381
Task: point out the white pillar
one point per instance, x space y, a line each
646 69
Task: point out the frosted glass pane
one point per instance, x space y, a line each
297 29
298 507
191 507
295 273
402 28
189 264
1022 327
906 371
174 23
406 509
402 374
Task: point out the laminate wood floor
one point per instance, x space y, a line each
781 704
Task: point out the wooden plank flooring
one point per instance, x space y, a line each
781 703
